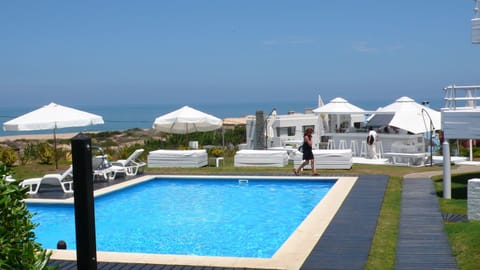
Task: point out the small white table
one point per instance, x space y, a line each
217 161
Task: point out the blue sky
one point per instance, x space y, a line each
134 52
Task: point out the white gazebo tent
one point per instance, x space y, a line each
345 113
408 115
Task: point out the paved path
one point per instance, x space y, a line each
459 170
422 242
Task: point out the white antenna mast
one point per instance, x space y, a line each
476 24
476 8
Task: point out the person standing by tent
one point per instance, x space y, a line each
307 152
372 141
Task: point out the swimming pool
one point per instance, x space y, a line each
291 255
206 217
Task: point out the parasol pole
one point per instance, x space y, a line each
55 146
186 128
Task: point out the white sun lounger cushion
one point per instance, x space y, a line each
177 158
327 159
275 158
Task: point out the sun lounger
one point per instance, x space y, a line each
177 158
409 159
264 158
103 169
34 184
8 179
131 165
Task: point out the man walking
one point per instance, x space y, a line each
372 141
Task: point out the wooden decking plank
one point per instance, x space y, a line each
346 242
422 242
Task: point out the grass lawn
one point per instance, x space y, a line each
464 237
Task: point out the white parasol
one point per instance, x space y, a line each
186 120
52 116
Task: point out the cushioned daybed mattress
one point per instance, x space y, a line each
327 159
177 158
275 158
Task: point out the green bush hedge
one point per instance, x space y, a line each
18 249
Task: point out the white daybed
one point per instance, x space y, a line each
275 158
327 159
177 158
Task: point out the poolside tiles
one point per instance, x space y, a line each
422 242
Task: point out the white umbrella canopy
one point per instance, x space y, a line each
322 119
339 106
186 120
52 116
343 110
412 116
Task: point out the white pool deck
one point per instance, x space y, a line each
437 160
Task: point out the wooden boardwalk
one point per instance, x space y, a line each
344 245
422 242
346 242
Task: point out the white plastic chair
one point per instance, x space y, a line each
331 144
379 149
363 150
342 144
354 147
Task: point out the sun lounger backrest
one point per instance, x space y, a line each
134 155
66 173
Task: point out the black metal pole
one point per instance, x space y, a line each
84 202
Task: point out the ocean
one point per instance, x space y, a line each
119 117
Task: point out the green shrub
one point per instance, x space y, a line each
4 171
215 152
8 156
29 153
123 152
18 249
45 153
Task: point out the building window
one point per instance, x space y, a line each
305 128
291 131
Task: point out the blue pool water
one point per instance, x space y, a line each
190 217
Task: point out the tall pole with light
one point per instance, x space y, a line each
430 131
273 113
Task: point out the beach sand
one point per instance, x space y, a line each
37 137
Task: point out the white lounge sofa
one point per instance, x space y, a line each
177 158
327 159
274 158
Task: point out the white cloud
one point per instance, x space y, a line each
287 41
365 47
